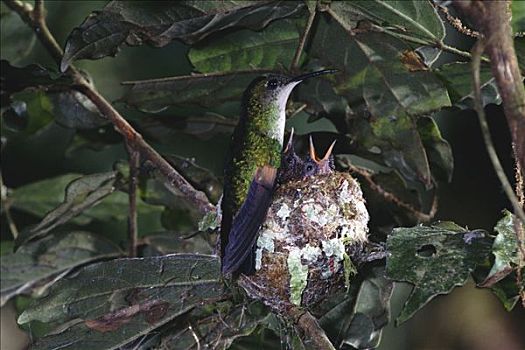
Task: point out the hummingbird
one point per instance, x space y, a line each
251 171
313 165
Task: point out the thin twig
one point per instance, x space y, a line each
478 105
419 215
302 41
134 163
173 180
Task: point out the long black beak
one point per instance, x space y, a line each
313 74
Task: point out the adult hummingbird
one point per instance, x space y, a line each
251 171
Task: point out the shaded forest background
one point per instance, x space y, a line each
466 319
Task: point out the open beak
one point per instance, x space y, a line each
313 154
312 74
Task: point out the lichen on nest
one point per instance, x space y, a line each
303 244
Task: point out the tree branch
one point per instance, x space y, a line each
478 104
493 21
173 180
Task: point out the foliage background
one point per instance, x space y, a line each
466 319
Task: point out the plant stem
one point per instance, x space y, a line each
35 19
493 21
134 163
476 54
302 41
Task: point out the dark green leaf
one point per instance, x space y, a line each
168 243
80 194
457 77
507 290
49 95
15 79
17 38
358 321
42 259
197 90
273 48
434 259
375 71
437 148
302 126
410 17
133 23
118 301
518 17
221 328
201 178
505 250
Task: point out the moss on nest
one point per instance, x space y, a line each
303 245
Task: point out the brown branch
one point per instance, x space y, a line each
478 105
173 180
134 163
302 40
419 215
493 22
300 317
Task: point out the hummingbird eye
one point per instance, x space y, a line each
272 84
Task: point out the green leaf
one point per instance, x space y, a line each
80 194
40 260
118 301
15 79
302 126
273 48
199 177
168 243
358 320
437 148
134 23
457 78
69 108
375 71
197 90
505 250
518 17
409 17
225 325
435 259
17 38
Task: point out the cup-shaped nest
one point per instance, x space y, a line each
305 244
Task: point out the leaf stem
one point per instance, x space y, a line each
172 179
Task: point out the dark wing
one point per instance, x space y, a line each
240 250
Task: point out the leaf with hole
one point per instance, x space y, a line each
435 259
